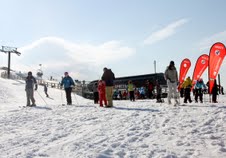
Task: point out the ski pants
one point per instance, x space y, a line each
68 95
214 97
30 96
46 93
198 93
102 97
187 95
172 90
109 94
96 97
131 96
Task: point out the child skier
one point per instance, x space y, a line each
102 93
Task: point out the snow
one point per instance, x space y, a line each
140 129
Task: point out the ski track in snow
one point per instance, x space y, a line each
130 129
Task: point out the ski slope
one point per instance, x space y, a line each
140 129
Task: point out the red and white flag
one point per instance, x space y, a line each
216 57
184 67
200 66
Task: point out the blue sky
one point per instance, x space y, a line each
83 36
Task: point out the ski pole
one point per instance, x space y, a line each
42 98
61 97
76 98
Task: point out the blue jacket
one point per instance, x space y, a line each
67 82
200 85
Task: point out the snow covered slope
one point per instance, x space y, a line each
137 129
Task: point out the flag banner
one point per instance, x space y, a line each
216 57
184 67
200 66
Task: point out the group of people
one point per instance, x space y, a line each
171 76
103 90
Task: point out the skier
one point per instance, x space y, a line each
29 88
171 77
199 87
102 93
108 77
187 89
68 83
45 90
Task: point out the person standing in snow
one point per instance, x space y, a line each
199 87
68 83
214 92
29 88
171 77
149 89
131 91
187 89
108 77
45 90
102 93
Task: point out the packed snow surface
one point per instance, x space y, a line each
140 129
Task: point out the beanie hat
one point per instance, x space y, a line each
171 62
66 73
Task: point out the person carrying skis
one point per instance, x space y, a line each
199 87
102 93
187 89
108 77
30 83
68 83
171 77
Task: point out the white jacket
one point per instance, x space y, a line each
171 74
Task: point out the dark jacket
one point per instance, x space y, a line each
215 88
95 86
108 77
30 83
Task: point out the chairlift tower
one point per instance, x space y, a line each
9 50
40 72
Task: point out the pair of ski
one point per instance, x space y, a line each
28 106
